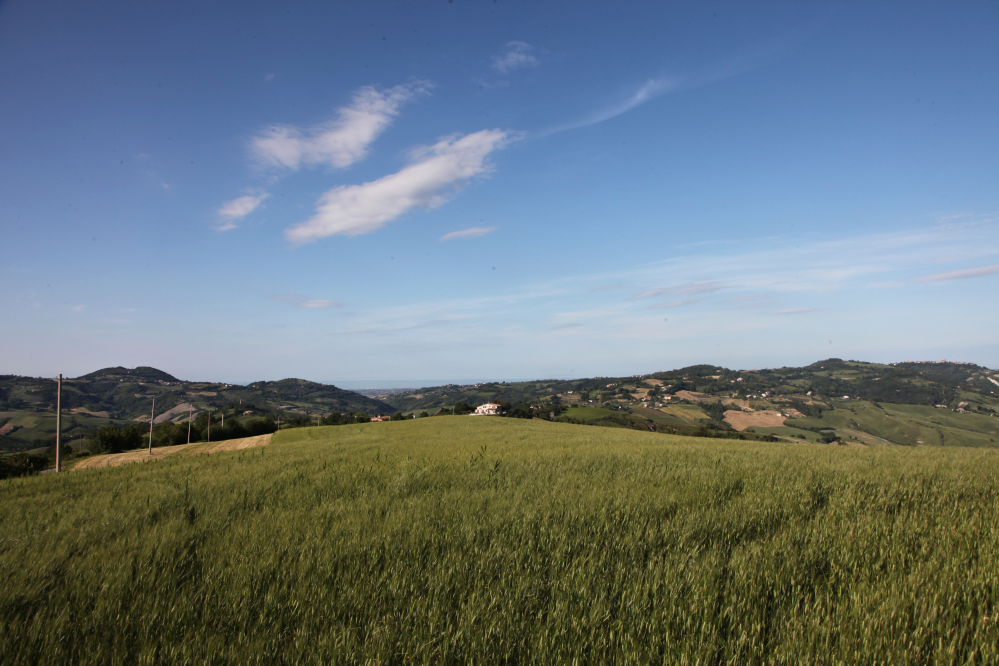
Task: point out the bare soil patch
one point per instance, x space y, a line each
6 429
764 419
695 397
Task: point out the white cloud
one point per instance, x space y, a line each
961 275
341 141
468 233
649 90
233 211
362 209
318 304
515 55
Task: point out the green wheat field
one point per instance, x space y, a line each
503 541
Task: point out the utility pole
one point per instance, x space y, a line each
59 424
152 416
190 417
209 426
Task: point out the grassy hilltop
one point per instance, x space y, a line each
487 540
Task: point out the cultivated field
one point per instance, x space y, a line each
160 452
475 540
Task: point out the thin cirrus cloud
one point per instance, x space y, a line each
468 233
435 171
300 301
649 90
342 141
676 303
981 271
232 212
791 311
515 56
681 290
318 304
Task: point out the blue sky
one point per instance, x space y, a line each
404 192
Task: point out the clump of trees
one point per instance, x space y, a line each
22 464
113 438
543 410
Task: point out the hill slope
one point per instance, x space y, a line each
819 402
475 540
27 404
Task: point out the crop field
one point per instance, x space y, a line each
909 424
486 540
785 431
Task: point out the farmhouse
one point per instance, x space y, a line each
488 409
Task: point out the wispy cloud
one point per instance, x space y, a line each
773 289
300 301
680 290
790 311
962 274
234 211
468 233
317 304
342 141
514 56
426 183
649 90
676 303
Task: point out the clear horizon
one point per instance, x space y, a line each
460 189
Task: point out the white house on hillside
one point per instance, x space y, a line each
488 409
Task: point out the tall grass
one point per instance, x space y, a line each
473 540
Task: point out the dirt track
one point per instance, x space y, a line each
142 455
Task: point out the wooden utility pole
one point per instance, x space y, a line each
59 424
190 417
209 426
152 416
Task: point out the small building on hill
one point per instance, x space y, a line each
488 409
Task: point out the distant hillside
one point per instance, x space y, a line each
27 404
140 374
831 400
911 403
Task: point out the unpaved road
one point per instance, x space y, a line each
143 455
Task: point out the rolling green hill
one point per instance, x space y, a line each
951 404
460 540
121 395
